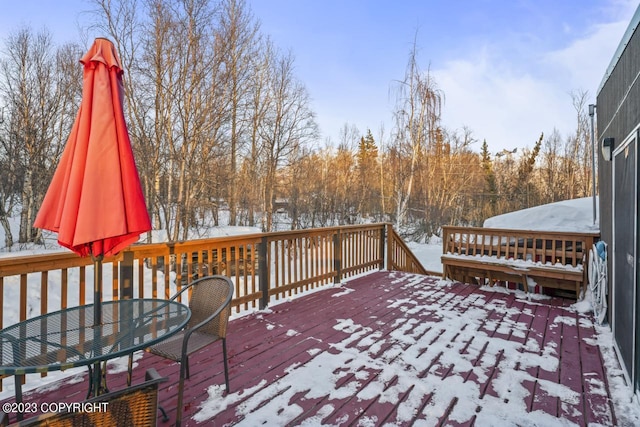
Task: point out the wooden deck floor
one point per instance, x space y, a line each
394 349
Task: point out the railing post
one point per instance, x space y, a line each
126 276
383 230
337 256
445 239
390 247
263 273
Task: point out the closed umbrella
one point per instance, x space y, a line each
95 202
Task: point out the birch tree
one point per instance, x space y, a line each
416 119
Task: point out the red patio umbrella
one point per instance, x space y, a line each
95 202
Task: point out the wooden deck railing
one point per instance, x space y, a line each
400 257
265 267
286 263
567 248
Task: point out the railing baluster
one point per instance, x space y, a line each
82 290
23 297
64 280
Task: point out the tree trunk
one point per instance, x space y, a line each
26 219
8 237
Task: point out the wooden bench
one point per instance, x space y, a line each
555 260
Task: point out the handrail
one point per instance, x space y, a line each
400 257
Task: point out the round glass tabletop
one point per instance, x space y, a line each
69 338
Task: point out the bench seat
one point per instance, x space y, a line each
486 255
471 268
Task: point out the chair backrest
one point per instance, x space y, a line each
131 407
210 294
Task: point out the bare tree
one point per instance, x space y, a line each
553 189
580 147
348 137
382 176
454 177
10 176
216 114
39 96
416 118
171 53
238 34
289 122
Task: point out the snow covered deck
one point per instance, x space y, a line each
397 348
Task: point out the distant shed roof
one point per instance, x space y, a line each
623 44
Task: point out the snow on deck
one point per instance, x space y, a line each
394 348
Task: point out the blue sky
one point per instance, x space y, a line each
507 68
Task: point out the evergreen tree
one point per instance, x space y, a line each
490 180
526 191
367 157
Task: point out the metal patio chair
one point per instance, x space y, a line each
210 305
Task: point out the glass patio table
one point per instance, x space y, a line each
68 338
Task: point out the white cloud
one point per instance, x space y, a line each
507 108
510 99
585 60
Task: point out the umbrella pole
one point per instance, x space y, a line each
97 290
97 320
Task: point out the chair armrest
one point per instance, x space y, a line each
184 288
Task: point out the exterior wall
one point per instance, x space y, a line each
618 113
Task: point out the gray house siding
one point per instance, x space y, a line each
618 115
